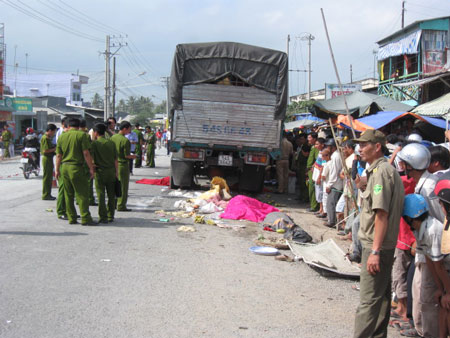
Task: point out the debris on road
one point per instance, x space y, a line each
185 228
327 256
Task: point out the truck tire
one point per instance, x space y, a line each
252 178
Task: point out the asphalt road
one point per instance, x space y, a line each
139 277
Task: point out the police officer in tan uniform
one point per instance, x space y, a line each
283 164
381 209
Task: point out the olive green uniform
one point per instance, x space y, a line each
138 162
6 137
71 146
384 191
47 166
105 154
123 147
301 162
61 199
90 181
150 139
311 190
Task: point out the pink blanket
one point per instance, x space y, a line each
243 207
158 181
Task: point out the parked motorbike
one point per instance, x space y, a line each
29 166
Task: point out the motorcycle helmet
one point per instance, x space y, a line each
414 138
442 188
414 205
416 155
29 131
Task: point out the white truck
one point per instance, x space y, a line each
227 106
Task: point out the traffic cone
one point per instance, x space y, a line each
54 182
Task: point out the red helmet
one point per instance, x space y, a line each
29 130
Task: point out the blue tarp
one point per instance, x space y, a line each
381 119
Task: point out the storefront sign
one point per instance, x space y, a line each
5 116
333 90
21 104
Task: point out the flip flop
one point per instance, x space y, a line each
401 324
395 315
409 333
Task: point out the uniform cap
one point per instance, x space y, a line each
373 136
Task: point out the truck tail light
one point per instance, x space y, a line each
257 158
193 154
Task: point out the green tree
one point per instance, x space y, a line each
298 108
97 101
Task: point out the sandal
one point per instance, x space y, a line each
401 324
409 333
395 315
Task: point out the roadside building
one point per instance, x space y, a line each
413 63
68 86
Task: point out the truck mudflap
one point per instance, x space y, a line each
182 172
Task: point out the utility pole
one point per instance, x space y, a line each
167 83
351 74
107 79
26 63
374 63
309 37
15 71
287 52
114 88
403 14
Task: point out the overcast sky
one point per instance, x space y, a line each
155 27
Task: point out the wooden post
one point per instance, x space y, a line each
337 76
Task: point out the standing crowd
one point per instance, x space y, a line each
102 157
389 195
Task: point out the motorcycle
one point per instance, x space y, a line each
28 160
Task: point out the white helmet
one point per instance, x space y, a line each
414 138
416 155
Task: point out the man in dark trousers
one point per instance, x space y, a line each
48 151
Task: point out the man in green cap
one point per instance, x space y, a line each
72 150
123 147
6 138
137 130
48 151
381 209
106 171
150 140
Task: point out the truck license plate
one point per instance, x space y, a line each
226 160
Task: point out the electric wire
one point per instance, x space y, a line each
47 20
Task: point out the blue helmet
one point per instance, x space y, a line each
414 205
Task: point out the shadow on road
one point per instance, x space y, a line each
140 223
35 233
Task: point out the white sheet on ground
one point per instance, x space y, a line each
326 255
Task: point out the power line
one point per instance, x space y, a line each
49 21
93 20
61 11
